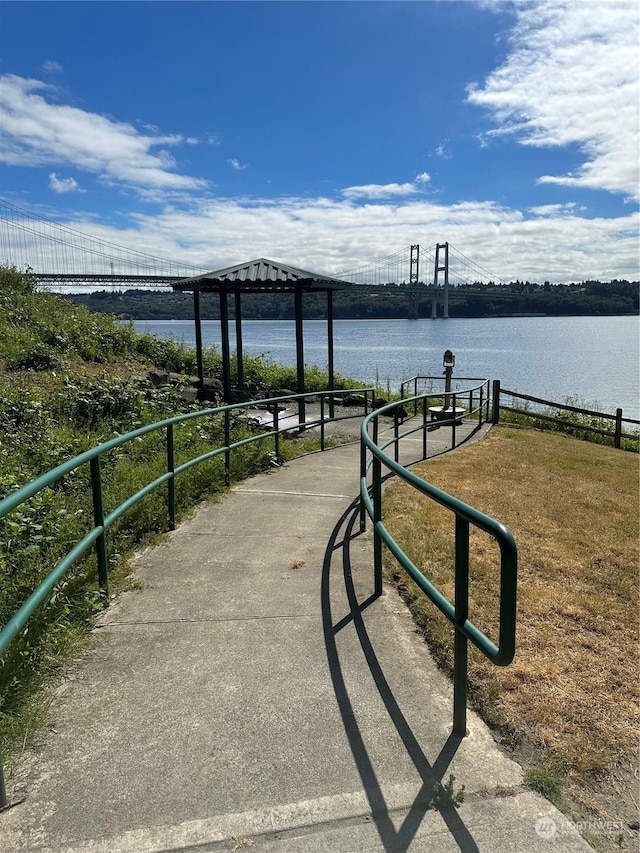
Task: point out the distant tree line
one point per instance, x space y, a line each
470 300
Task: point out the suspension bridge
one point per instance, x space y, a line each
63 258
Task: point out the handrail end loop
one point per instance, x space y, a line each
373 456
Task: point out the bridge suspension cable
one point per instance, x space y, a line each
47 247
397 269
465 271
392 269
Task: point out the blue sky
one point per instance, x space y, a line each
328 134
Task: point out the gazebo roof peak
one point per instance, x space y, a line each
259 272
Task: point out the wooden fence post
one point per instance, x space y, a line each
617 440
496 402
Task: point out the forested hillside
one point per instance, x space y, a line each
474 300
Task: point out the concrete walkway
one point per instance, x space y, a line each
252 693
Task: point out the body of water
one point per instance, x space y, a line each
595 360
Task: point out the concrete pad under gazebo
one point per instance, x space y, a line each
259 276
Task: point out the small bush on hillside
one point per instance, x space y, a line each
93 401
36 358
16 282
266 374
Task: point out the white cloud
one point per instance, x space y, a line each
550 210
380 191
237 165
37 133
333 236
63 185
51 66
374 191
571 77
443 151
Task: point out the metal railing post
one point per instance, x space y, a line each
363 473
415 394
98 520
480 406
321 421
424 427
377 517
227 442
276 434
453 423
396 449
171 483
461 603
4 800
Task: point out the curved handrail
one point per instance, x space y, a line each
12 501
465 516
102 522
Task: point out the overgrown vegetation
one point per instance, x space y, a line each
67 383
568 704
44 332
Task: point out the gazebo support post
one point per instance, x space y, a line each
196 317
239 353
224 337
300 356
330 348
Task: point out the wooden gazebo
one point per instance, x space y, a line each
260 276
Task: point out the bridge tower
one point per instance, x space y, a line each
441 266
414 268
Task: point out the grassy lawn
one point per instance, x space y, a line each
568 704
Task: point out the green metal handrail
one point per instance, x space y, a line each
414 380
102 522
465 516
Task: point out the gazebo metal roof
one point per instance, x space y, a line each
261 276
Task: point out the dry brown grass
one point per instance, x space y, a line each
571 693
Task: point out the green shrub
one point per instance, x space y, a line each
266 374
36 358
15 282
97 401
